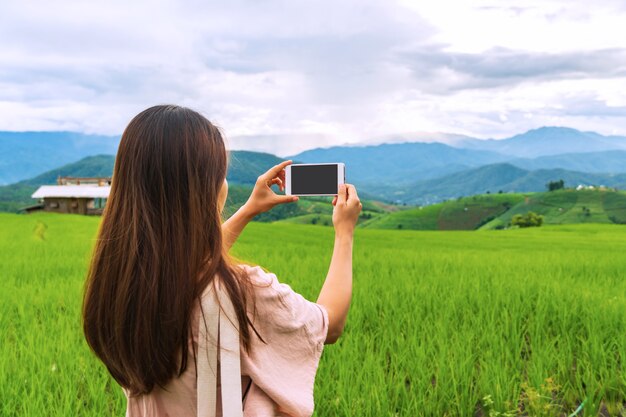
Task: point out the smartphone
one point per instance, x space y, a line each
314 179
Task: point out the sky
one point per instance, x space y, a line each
283 76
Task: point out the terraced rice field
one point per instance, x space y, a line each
494 323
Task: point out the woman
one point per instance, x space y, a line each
161 246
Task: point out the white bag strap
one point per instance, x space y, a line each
226 325
230 361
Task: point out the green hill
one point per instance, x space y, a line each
494 211
465 213
570 206
244 166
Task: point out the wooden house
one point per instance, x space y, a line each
73 195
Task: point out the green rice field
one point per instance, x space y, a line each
525 322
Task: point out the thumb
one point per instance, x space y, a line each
342 195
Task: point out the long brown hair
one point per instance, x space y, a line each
159 247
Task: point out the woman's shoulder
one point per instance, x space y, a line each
266 284
268 291
258 276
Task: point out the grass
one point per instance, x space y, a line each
442 323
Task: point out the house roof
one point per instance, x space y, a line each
72 191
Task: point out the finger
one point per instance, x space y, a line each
281 176
282 199
334 200
342 194
275 170
276 181
353 197
351 191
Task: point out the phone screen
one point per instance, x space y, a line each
314 179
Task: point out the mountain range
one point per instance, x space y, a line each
547 141
27 154
494 178
544 148
409 172
401 163
425 173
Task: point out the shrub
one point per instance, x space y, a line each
530 219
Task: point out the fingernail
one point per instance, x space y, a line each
295 199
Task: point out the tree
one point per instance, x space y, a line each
555 185
529 219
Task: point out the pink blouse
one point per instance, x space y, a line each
277 378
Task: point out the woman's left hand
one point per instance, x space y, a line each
263 198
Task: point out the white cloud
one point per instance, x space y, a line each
292 75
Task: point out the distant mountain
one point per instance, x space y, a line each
547 141
402 163
91 166
430 172
244 168
421 155
611 162
424 137
26 154
491 178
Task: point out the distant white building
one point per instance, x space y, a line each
586 187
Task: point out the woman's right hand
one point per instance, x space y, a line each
347 208
263 198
